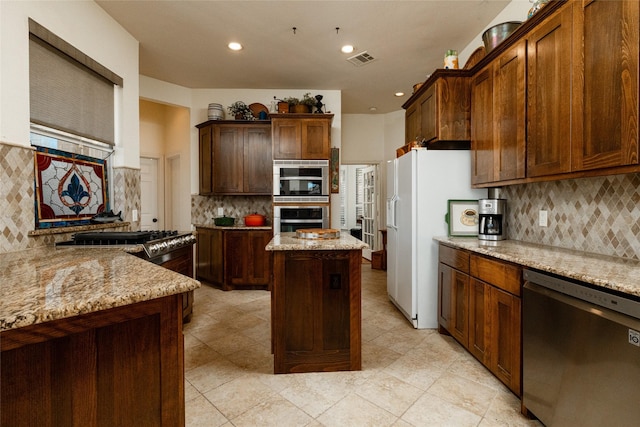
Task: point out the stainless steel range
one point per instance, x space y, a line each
154 243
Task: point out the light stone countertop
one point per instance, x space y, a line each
619 274
43 284
289 242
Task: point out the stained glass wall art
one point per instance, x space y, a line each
70 188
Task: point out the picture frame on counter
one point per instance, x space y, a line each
462 218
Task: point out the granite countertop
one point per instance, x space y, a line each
233 227
44 284
289 242
610 272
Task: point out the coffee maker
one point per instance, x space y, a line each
492 214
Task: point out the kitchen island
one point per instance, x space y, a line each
315 304
90 337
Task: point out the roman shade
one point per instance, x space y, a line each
69 91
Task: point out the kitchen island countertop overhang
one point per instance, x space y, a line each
44 284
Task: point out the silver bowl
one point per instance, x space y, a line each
497 34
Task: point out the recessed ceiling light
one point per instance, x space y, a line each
373 109
235 46
399 94
347 48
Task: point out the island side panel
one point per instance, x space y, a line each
122 366
316 314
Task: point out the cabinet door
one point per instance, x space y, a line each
412 129
459 321
316 138
605 92
236 258
479 327
444 295
228 159
549 95
287 138
204 254
259 266
509 113
258 164
206 161
428 112
506 343
482 155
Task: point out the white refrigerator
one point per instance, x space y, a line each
419 184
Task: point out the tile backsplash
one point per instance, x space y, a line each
17 198
600 215
205 208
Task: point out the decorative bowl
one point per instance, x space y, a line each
224 221
498 33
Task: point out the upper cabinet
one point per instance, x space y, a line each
549 96
301 136
235 158
498 118
605 84
439 112
559 98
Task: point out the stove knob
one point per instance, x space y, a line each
153 248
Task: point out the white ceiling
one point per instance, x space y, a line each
185 43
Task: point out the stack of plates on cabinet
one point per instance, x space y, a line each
215 112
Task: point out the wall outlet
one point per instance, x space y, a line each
543 220
134 215
220 211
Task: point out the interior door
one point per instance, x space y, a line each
369 211
149 178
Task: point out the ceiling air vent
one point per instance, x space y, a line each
361 59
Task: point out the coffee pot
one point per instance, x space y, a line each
492 214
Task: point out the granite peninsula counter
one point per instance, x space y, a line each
316 304
90 334
619 274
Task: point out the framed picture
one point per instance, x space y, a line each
462 217
334 166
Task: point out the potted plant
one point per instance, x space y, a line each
240 111
308 101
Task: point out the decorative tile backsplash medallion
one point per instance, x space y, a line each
16 197
70 188
600 215
126 194
205 208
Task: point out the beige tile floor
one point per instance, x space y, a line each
409 377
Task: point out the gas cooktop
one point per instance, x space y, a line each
154 242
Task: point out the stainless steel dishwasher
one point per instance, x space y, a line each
581 353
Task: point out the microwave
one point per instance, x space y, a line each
301 181
288 218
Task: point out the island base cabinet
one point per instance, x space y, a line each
118 367
316 312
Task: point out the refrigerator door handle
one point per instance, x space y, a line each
391 220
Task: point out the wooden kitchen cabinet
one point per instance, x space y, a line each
498 118
235 158
549 136
605 84
301 136
479 304
234 258
439 112
316 310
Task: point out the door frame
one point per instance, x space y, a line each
160 188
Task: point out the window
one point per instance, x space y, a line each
72 128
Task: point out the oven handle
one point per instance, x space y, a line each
296 221
300 178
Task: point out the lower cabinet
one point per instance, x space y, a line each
480 306
234 258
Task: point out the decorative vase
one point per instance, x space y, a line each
283 107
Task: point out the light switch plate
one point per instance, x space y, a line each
220 211
543 219
134 215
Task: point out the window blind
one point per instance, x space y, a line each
69 91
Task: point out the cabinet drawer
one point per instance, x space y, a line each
456 258
497 273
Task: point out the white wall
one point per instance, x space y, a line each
87 27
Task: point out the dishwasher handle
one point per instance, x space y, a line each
622 317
